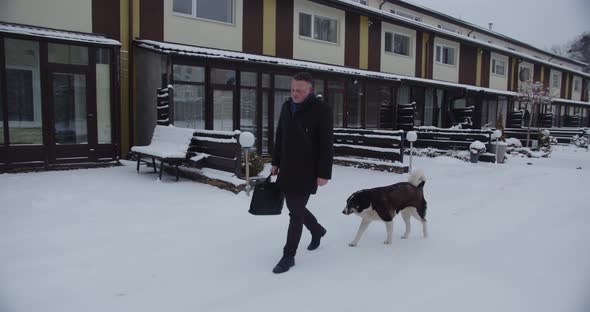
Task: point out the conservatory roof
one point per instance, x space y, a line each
56 34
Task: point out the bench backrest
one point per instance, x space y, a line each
218 150
380 144
451 138
172 138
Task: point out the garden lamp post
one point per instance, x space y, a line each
411 136
496 135
247 141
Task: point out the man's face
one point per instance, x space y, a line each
299 90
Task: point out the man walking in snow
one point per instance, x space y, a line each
302 158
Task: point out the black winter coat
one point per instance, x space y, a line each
303 148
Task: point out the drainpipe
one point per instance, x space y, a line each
470 32
381 5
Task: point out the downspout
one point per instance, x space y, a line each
470 33
381 5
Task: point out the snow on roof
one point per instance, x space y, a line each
223 54
458 36
56 34
491 32
569 101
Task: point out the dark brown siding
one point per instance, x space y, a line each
584 92
252 30
105 18
537 73
151 21
485 69
284 36
510 86
571 87
430 57
419 54
352 40
563 81
375 46
547 77
468 64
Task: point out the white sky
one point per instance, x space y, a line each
540 23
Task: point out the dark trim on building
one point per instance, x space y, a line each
584 91
284 34
547 77
468 64
485 68
374 45
151 20
419 53
130 82
3 94
563 85
536 72
352 40
252 29
510 82
570 92
105 18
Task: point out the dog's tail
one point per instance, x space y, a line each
417 178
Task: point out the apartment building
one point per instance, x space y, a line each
230 62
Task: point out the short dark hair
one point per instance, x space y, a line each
303 76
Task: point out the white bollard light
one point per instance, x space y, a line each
247 140
411 136
496 135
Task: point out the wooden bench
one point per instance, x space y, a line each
370 148
169 145
450 139
218 150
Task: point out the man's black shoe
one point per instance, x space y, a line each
315 240
284 265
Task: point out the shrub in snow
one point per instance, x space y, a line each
513 142
477 147
256 164
581 141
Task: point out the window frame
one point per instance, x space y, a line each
576 85
494 64
393 34
194 14
442 47
555 80
312 28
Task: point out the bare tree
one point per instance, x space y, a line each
536 95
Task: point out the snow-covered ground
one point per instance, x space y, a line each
506 237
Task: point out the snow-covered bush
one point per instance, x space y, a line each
581 141
477 147
256 164
513 142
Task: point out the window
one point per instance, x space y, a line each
498 67
355 96
318 27
445 55
576 85
524 74
189 96
215 10
406 15
398 44
67 54
23 91
103 96
249 103
223 82
555 80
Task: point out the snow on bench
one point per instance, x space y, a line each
169 144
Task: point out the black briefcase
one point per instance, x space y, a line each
267 199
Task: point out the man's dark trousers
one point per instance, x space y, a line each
299 216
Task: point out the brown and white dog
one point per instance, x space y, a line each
384 203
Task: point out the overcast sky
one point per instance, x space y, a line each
541 23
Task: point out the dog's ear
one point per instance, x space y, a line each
364 199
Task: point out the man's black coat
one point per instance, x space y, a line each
303 148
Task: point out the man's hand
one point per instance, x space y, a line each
274 170
322 182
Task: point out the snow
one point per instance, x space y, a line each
370 148
216 140
477 146
167 142
219 132
513 142
503 237
376 136
199 157
56 34
371 161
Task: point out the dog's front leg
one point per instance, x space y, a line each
364 225
406 214
389 227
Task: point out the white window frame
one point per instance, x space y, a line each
495 62
312 28
577 85
393 43
194 14
442 47
555 80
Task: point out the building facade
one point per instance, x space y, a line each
230 61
